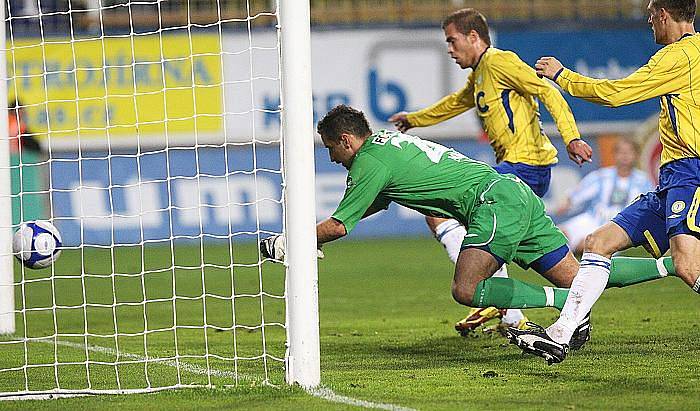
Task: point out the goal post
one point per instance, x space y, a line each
169 148
303 363
7 292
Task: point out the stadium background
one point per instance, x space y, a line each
382 58
386 312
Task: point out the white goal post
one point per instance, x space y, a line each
303 361
167 152
7 293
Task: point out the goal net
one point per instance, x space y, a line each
153 135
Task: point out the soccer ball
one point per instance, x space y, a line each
37 244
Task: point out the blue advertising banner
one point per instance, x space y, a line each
210 193
598 53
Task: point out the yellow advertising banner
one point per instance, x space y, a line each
127 88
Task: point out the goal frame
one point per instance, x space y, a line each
302 360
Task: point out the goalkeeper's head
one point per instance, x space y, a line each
343 131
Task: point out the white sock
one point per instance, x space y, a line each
513 315
585 290
501 272
451 234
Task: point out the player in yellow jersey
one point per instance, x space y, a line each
659 220
504 91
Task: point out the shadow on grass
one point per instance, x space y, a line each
424 353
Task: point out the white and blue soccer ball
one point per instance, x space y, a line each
37 244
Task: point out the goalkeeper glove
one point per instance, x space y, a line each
274 247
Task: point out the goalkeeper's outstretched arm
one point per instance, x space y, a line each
328 230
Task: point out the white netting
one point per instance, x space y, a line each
159 125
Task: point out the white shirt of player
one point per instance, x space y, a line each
605 193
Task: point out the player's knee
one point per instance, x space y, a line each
432 223
462 293
595 243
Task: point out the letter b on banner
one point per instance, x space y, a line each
379 92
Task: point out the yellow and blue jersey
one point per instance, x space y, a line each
505 91
671 74
673 208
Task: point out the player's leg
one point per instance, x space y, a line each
474 285
591 279
680 203
685 249
640 223
563 274
450 233
498 226
626 271
588 284
683 203
473 266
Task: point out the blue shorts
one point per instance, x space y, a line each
537 177
671 209
542 264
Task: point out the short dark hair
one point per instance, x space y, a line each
469 19
343 119
680 10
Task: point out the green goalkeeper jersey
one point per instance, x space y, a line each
419 174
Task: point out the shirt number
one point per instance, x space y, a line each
434 151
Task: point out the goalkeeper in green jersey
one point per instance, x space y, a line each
505 92
505 220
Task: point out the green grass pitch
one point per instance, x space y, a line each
386 336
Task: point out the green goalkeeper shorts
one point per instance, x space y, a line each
510 223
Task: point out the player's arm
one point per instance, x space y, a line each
515 74
658 77
446 108
332 229
366 179
328 230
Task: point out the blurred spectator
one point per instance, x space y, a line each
28 8
20 136
603 193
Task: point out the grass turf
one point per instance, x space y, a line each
386 336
